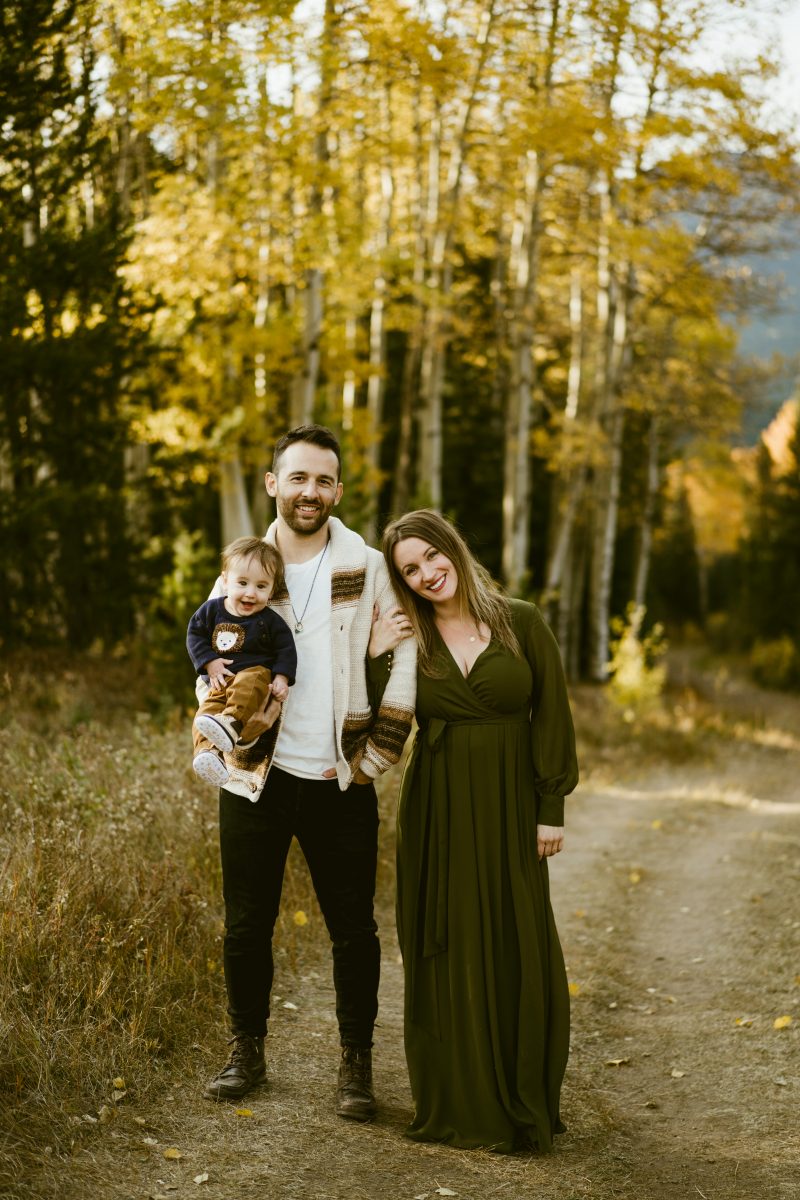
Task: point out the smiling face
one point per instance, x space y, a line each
425 570
247 585
306 487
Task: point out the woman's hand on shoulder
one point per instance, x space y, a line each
549 840
389 629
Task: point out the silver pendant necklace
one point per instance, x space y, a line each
298 621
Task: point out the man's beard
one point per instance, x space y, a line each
305 524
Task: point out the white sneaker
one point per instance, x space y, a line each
223 732
210 767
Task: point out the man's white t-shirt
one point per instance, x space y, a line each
306 744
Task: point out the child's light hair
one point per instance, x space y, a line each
265 554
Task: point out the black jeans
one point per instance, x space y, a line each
338 834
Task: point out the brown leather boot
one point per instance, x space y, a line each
244 1070
355 1099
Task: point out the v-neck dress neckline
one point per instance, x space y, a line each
454 660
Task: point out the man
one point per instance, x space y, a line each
311 774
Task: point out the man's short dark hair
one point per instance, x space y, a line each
317 435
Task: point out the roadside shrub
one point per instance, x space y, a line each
637 675
776 664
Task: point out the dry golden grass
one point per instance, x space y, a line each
110 934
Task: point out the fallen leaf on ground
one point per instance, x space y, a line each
104 1114
616 1062
139 1121
635 877
244 1112
118 1094
288 1004
676 1074
656 824
149 1141
580 912
782 1022
119 1082
442 1191
300 917
173 1153
201 1178
745 1022
574 989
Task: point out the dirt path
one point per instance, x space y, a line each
679 909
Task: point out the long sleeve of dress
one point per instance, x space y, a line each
555 760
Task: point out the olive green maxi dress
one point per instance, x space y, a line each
486 999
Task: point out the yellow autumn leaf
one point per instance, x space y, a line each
173 1153
574 989
580 912
797 980
244 1112
635 877
745 1021
119 1083
656 824
782 1022
300 917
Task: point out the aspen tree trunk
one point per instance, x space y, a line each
524 279
646 531
516 464
612 364
607 491
376 379
234 508
403 476
568 491
437 329
305 388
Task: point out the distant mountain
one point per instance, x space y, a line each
767 333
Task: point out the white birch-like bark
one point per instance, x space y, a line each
404 481
436 335
376 378
236 520
524 280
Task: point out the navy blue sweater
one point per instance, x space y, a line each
260 640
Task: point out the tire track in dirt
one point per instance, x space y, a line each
689 885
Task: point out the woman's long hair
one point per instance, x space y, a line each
478 594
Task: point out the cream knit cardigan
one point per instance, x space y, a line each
366 740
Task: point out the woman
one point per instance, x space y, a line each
481 810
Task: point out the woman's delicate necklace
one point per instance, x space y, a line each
298 621
471 636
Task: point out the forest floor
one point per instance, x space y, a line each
677 904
